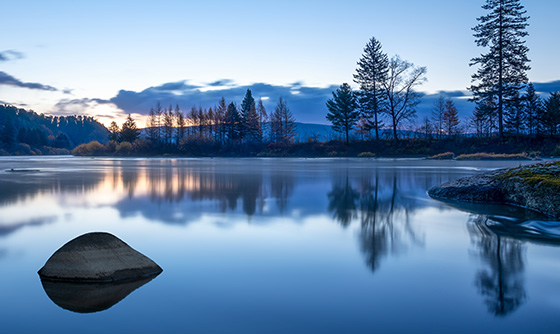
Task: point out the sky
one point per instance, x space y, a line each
111 58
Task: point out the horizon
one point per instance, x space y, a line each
109 60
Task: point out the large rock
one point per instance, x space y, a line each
98 257
535 187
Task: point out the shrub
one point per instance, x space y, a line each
366 155
556 151
493 156
443 156
89 149
124 148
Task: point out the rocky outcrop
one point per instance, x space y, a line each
534 187
98 257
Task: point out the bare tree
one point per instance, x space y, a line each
402 99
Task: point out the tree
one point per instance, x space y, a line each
370 75
515 115
402 99
282 123
502 70
263 116
533 107
551 117
168 126
343 112
232 122
181 125
437 115
220 116
114 131
129 131
247 108
450 118
153 125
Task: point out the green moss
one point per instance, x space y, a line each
545 174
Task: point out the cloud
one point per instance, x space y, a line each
307 103
10 55
8 80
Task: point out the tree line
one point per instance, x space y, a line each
505 102
226 124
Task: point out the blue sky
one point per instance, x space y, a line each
109 58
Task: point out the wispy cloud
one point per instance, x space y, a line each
8 80
10 55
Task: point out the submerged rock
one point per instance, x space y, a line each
89 297
98 257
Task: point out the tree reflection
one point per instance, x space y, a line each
383 211
501 282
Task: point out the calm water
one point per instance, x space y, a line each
278 246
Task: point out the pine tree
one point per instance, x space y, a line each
168 126
402 99
533 107
515 115
153 127
220 115
502 70
552 113
247 108
370 75
114 131
343 113
233 123
450 118
181 125
282 123
129 131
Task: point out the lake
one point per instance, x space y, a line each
277 246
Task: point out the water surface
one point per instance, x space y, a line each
278 246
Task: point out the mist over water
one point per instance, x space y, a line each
278 245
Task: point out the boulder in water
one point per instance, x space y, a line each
98 257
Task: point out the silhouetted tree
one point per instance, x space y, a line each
370 74
551 117
533 107
450 118
233 123
343 112
114 131
181 125
402 99
502 70
515 115
129 130
247 107
282 123
437 116
168 125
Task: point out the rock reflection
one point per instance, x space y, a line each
376 199
89 297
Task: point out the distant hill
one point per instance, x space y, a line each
26 132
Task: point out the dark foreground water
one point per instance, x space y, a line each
276 246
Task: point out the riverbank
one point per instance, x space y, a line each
536 187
